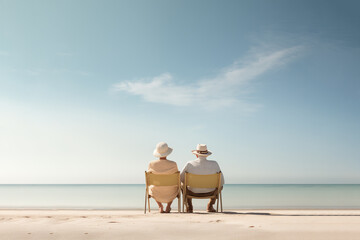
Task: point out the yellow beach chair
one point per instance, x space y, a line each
161 180
203 181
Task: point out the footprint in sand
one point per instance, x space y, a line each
113 222
215 221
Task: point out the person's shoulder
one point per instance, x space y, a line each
154 161
192 162
189 163
214 162
172 162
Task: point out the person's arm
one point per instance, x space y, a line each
182 174
222 179
222 175
176 167
149 168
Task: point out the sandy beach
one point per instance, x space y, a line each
239 224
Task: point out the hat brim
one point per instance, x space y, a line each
167 153
201 154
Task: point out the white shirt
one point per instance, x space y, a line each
201 166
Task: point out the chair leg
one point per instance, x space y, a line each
149 204
145 202
179 205
221 202
217 204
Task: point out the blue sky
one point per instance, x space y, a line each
87 89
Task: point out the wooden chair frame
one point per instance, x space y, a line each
203 181
161 180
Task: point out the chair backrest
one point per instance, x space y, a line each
203 181
162 179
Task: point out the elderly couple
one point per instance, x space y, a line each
201 166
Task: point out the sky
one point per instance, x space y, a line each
88 88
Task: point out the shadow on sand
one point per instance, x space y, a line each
277 214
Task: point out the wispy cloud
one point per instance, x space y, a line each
225 89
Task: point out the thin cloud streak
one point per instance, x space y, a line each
226 89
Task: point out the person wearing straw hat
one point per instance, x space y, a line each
201 166
163 194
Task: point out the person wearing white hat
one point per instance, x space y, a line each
201 166
163 194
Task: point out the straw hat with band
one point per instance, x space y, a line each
201 150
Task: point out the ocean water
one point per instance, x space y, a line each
131 196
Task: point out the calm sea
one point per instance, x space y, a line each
131 196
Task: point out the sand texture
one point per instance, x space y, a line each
239 224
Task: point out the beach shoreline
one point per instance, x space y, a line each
134 224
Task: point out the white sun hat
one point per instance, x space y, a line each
162 150
201 150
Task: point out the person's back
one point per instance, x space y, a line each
201 166
162 166
163 194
